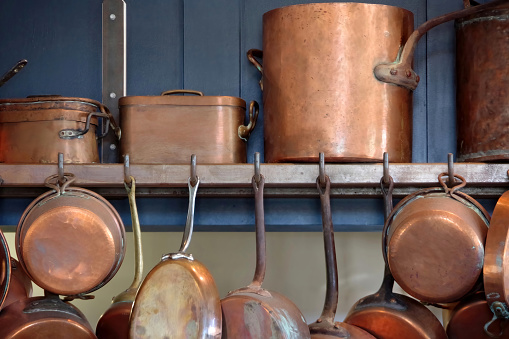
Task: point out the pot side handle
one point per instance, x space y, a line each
245 131
252 54
400 72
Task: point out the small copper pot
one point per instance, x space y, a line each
36 129
70 240
435 243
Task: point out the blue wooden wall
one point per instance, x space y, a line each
201 45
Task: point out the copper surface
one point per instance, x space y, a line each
43 318
496 261
435 245
70 243
20 285
469 317
252 311
29 130
324 96
5 268
482 85
168 129
325 327
177 299
114 323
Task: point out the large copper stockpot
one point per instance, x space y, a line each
70 240
482 96
435 243
388 315
43 318
329 81
36 129
166 129
254 312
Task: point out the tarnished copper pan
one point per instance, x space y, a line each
325 327
114 323
42 318
435 243
20 285
5 268
178 298
388 315
254 312
70 240
334 91
469 318
496 262
482 85
36 129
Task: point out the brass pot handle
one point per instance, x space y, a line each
252 54
245 131
182 91
400 72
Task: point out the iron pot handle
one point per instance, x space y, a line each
245 131
252 54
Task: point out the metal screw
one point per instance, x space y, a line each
394 71
113 16
113 147
113 95
336 325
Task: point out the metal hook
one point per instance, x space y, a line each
321 169
61 178
127 171
193 177
257 177
450 170
386 177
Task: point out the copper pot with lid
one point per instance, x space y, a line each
69 240
345 87
37 128
435 242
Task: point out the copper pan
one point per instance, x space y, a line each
70 240
325 327
252 311
5 268
20 285
496 263
335 92
114 323
388 315
43 318
435 243
178 298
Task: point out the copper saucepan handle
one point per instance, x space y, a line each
245 131
400 72
182 91
13 71
252 54
261 262
188 232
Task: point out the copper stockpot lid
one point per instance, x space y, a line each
70 240
182 100
435 243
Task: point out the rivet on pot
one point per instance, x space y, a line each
394 71
408 73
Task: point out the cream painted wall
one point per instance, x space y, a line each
295 266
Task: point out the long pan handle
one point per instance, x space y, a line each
138 253
188 232
260 232
331 294
388 280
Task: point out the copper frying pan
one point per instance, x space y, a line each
114 323
42 318
178 298
254 312
388 315
70 240
325 327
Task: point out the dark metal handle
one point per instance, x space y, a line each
182 91
261 264
400 72
13 71
245 131
188 232
252 54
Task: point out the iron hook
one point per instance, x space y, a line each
257 167
127 171
194 177
61 178
450 167
321 169
386 176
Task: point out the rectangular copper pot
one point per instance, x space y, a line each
36 129
167 129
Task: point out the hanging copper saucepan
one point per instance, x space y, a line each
435 243
338 78
42 318
252 311
388 315
114 323
325 327
70 240
20 285
178 298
